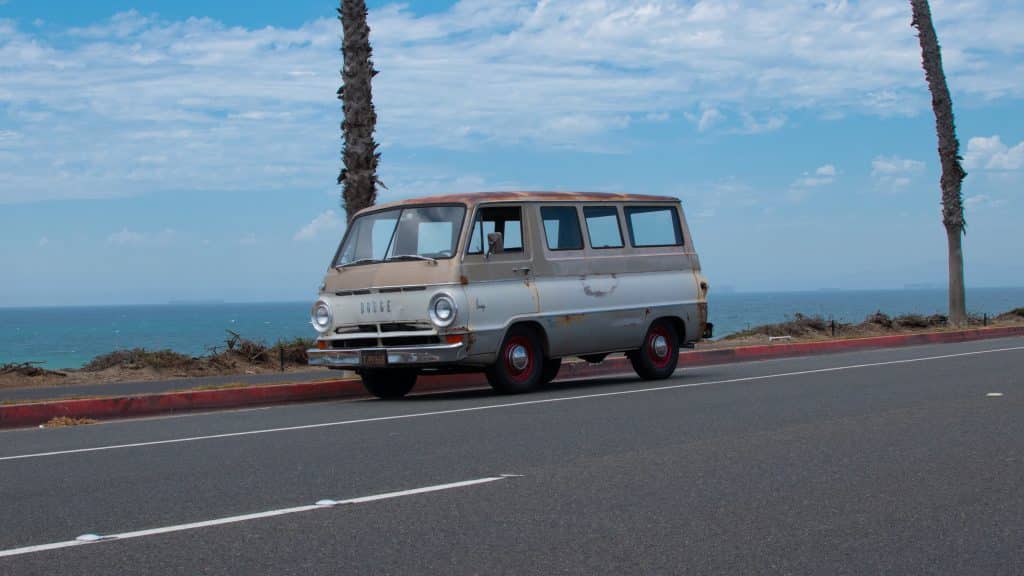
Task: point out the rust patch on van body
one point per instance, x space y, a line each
599 286
473 198
568 319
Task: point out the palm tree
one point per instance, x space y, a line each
358 177
949 156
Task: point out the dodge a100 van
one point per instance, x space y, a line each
510 283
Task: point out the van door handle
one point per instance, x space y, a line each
524 270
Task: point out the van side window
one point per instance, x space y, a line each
562 227
506 219
603 226
653 226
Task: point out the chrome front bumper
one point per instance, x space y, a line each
397 356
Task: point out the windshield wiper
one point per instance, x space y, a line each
414 257
357 262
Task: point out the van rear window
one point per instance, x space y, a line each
653 226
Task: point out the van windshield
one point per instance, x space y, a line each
420 232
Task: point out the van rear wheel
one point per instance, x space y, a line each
389 384
520 364
659 356
551 367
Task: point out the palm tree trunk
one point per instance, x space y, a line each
949 156
358 177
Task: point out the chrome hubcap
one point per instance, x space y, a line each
519 357
659 345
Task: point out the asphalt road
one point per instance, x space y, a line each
882 462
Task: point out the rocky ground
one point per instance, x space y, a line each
238 356
801 328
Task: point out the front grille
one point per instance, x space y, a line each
410 341
406 327
385 342
356 343
385 334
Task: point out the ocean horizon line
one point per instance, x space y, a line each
199 302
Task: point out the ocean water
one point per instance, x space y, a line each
70 337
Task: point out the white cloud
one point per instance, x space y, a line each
976 200
893 172
234 108
708 118
727 195
991 154
44 241
248 240
8 137
328 221
126 237
752 125
983 201
822 176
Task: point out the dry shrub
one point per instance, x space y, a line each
250 350
799 325
259 353
295 350
920 321
139 358
30 369
879 318
1015 313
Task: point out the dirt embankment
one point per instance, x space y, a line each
801 328
237 356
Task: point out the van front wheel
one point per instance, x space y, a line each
389 384
659 356
520 364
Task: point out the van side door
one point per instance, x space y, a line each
499 284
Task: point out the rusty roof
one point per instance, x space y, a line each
472 198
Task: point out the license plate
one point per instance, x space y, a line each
374 358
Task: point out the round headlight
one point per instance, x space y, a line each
442 310
322 317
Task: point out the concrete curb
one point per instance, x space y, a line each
31 414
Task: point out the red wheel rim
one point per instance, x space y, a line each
513 347
656 337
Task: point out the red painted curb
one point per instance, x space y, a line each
147 404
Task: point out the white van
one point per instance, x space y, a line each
510 283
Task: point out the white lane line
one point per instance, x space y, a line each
87 539
504 405
994 394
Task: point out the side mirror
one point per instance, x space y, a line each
495 244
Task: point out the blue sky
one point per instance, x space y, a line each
157 150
